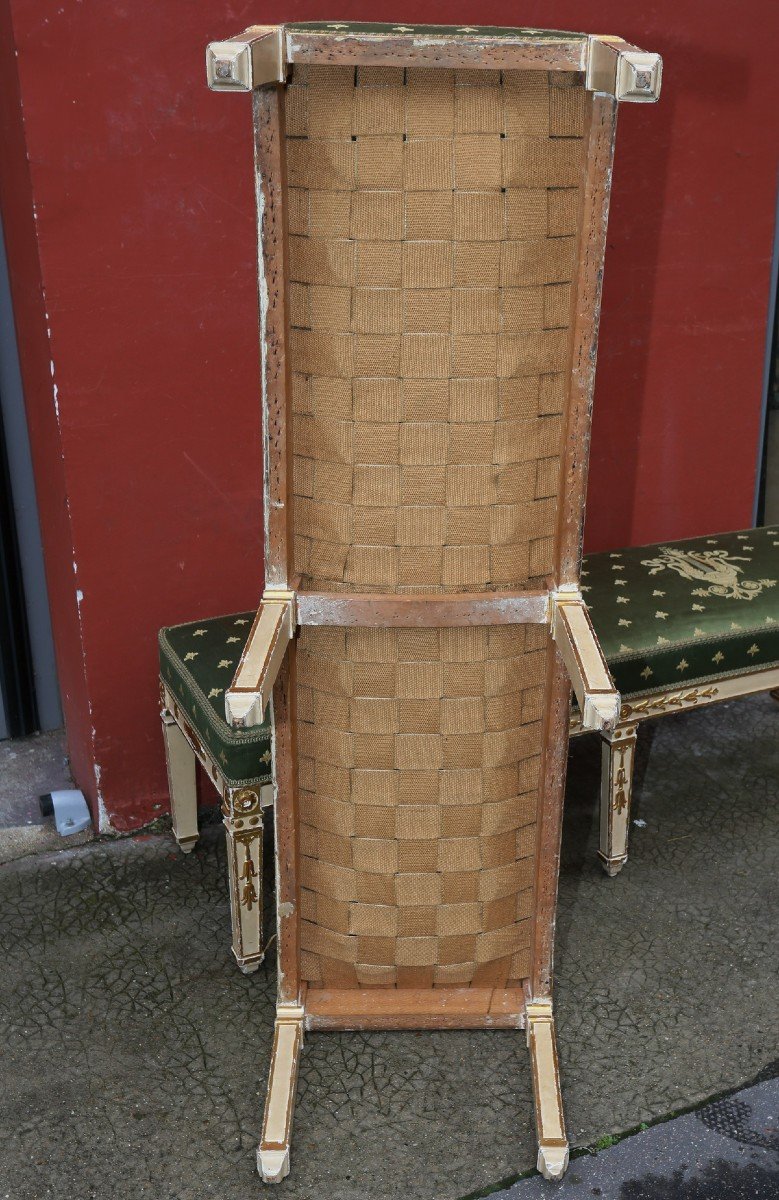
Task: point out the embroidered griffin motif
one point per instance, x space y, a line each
716 568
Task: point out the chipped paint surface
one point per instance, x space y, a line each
262 284
103 818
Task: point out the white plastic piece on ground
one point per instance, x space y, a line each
71 814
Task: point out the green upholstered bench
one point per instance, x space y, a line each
197 663
681 624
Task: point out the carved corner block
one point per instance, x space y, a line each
247 61
623 71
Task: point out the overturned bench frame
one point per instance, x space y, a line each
257 61
618 747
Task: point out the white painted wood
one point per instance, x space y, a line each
616 787
572 630
273 1151
247 697
243 826
613 849
644 705
181 763
550 1126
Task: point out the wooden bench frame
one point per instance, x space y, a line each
257 62
619 746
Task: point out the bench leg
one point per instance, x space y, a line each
243 823
181 761
550 1125
273 1150
616 785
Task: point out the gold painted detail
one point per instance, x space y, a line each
620 782
685 699
250 840
715 568
245 801
249 895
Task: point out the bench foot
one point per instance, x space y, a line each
273 1151
616 786
248 968
552 1161
612 866
550 1126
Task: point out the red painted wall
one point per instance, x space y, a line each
134 277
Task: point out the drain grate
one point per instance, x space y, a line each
730 1118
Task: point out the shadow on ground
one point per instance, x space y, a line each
135 1053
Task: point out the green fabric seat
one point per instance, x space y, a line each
197 663
679 613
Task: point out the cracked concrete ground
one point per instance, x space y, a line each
29 767
135 1053
726 1150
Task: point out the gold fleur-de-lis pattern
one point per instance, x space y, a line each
197 663
700 608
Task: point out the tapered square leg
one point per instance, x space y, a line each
550 1126
273 1151
243 823
182 764
616 786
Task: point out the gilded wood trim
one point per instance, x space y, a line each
246 61
645 705
242 815
205 758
